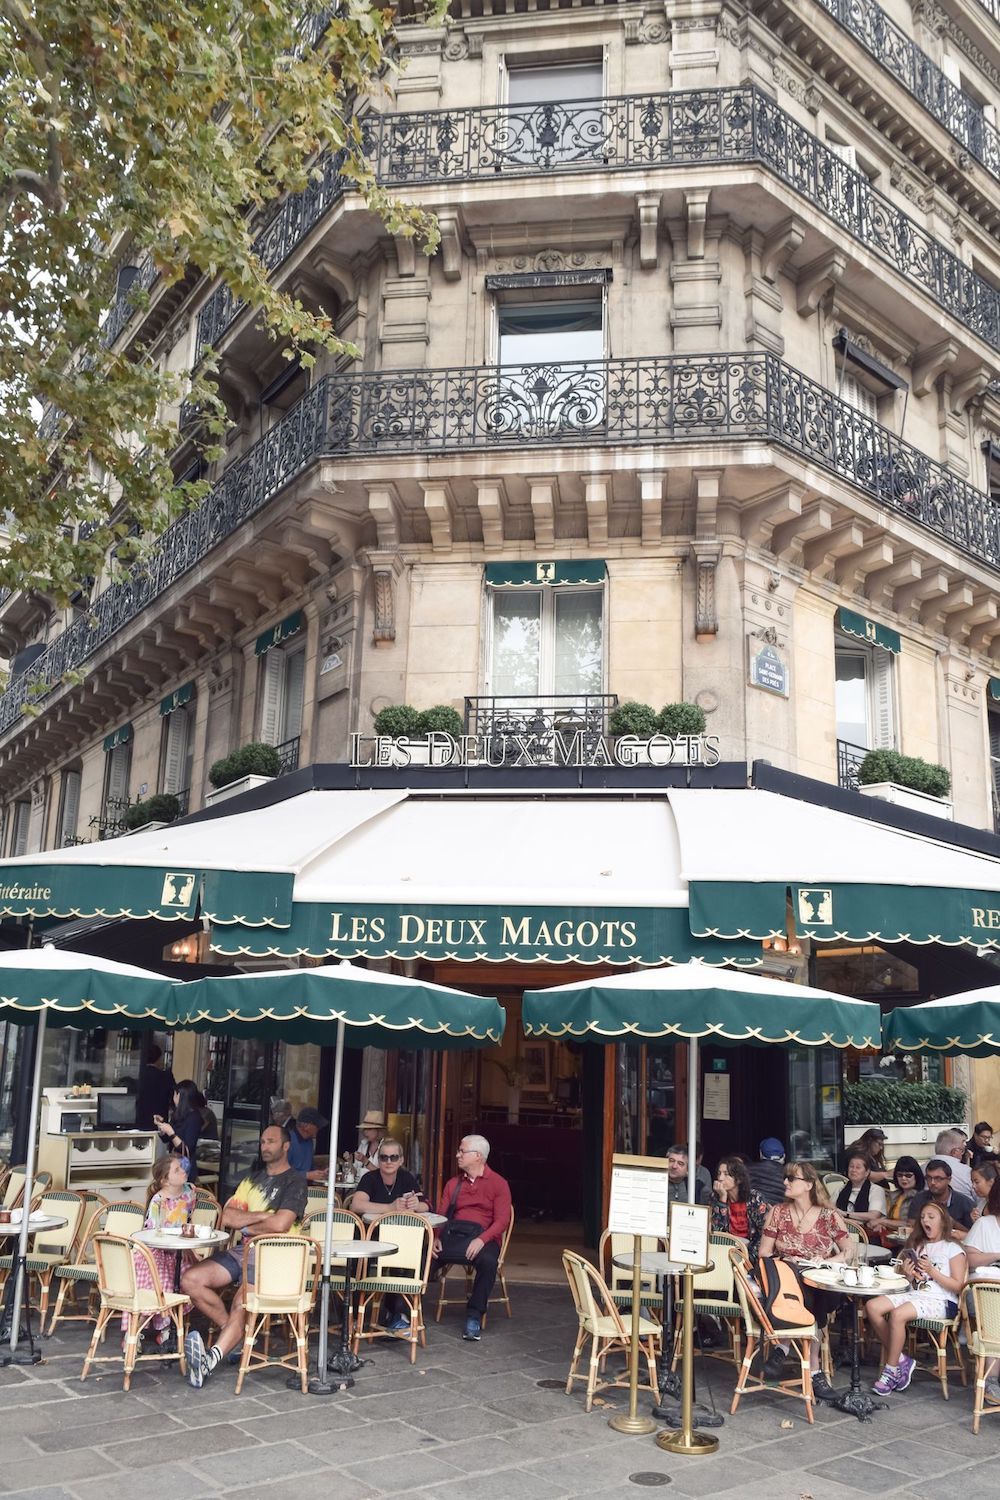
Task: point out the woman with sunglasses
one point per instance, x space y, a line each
390 1189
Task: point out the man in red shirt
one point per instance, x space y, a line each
476 1203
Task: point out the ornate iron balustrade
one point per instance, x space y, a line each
960 115
849 758
123 309
673 399
288 756
634 133
113 821
520 726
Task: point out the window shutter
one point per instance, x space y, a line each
22 816
951 68
847 154
295 681
884 705
272 693
860 397
119 767
36 821
70 810
175 760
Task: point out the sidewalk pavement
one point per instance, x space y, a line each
488 1419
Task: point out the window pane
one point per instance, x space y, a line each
582 80
516 636
852 698
578 654
541 332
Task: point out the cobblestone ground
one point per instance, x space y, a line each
467 1420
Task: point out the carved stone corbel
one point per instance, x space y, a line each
782 242
931 362
386 568
383 507
817 278
697 216
705 556
406 255
450 224
967 387
647 207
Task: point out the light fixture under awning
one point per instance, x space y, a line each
744 851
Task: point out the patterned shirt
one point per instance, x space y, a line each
264 1192
825 1237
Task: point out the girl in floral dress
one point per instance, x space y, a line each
171 1203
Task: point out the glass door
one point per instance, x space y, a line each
252 1082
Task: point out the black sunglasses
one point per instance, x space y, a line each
389 1158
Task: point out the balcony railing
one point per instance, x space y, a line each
960 115
123 309
849 758
288 756
112 822
542 729
635 133
673 399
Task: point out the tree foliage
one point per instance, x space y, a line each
163 129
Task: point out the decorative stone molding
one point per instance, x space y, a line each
456 48
548 260
450 224
910 186
650 31
705 556
696 203
384 508
817 278
648 211
782 242
932 362
386 568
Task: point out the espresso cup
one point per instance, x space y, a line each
866 1276
849 1276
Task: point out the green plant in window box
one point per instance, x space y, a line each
399 721
161 808
632 718
441 719
256 759
676 719
874 1102
905 770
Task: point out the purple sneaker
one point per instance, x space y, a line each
906 1368
887 1382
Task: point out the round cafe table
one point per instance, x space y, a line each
37 1224
176 1244
432 1219
855 1402
344 1363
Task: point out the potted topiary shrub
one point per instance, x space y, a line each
676 719
441 719
633 726
154 812
399 721
907 781
243 769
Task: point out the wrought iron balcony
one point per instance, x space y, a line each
849 758
673 399
123 309
529 726
960 115
635 133
112 823
288 756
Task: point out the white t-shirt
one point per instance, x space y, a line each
941 1253
876 1199
985 1235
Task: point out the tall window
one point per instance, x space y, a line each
282 694
859 396
546 642
552 83
551 378
994 731
69 808
551 332
19 832
117 772
550 118
177 750
866 718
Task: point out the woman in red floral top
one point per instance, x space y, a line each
806 1227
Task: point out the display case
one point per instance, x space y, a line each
115 1163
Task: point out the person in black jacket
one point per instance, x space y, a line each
768 1174
154 1091
185 1127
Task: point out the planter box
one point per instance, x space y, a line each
234 788
905 1140
144 828
904 796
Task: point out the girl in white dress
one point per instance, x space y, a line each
934 1264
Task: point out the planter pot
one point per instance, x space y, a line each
234 788
904 796
145 828
905 1140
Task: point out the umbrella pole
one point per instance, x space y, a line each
686 1440
32 1356
320 1384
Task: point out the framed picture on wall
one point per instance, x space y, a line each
535 1059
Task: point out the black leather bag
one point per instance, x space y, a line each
456 1236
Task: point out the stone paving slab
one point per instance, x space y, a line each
465 1419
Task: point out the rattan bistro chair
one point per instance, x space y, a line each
760 1333
715 1294
984 1341
51 1249
942 1335
403 1273
619 1281
278 1282
13 1188
346 1226
122 1295
502 1296
599 1320
119 1219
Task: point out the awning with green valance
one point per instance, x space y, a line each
176 699
994 689
278 633
545 574
119 737
869 630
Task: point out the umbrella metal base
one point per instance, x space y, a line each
670 1412
858 1404
694 1444
637 1426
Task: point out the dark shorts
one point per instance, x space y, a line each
232 1263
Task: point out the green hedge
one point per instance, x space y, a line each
402 722
906 770
878 1102
163 808
633 718
675 719
256 759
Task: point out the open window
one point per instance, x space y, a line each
551 350
117 775
282 701
69 808
865 702
177 753
554 114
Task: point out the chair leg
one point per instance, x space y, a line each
64 1286
807 1389
959 1357
302 1340
591 1374
941 1353
98 1335
741 1383
414 1333
580 1338
977 1405
131 1348
252 1329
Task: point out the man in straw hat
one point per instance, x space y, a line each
372 1129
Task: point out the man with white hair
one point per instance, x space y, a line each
476 1204
953 1145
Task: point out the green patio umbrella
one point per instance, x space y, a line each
966 1024
693 1000
368 1009
49 986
